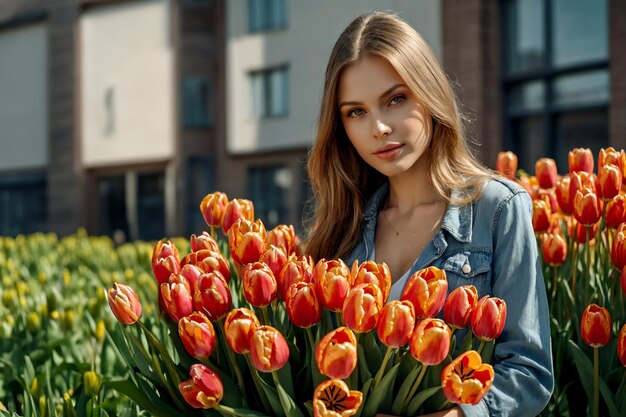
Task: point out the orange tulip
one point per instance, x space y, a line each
303 307
608 156
426 289
333 398
430 343
554 249
239 325
609 182
557 221
595 326
361 307
615 211
124 303
275 258
549 196
259 284
332 281
563 197
587 207
213 207
457 310
236 209
580 159
621 345
191 273
268 349
203 242
541 216
488 318
336 353
213 296
377 274
506 164
208 261
578 232
530 184
204 389
297 269
246 240
466 379
285 236
165 260
546 173
176 296
580 180
197 334
618 249
396 323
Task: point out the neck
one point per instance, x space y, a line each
412 188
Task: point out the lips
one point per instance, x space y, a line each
389 151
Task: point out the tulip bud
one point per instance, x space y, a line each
204 389
587 207
176 296
529 183
618 249
203 242
124 303
615 211
192 274
246 241
213 207
33 322
396 323
208 261
580 159
506 164
609 156
621 345
580 180
236 209
595 326
563 195
361 307
377 274
297 269
336 353
426 289
488 318
91 382
268 349
259 285
100 330
213 296
303 307
283 235
275 258
545 171
457 310
554 249
197 334
332 281
333 398
623 281
541 216
466 379
430 343
239 325
165 260
609 182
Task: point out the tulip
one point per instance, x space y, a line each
549 196
545 171
303 307
466 379
213 207
506 164
246 240
615 211
268 349
623 281
580 180
332 281
556 223
529 183
554 249
165 249
430 343
621 345
396 323
176 296
578 232
191 273
204 389
426 289
618 249
239 325
91 382
563 194
124 303
333 398
595 326
213 296
488 318
580 159
297 269
203 242
609 156
541 216
275 258
609 182
361 307
285 236
457 310
208 261
259 285
336 353
587 207
197 334
236 209
377 274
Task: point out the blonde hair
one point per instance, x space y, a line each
342 182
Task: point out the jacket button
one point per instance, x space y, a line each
467 269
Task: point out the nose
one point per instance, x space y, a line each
380 128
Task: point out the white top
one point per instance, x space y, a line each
398 286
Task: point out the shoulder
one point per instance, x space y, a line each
500 192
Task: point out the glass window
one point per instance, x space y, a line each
151 206
529 96
267 14
112 207
23 205
197 103
268 189
270 92
582 89
530 145
525 34
199 183
585 129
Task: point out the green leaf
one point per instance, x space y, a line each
417 401
272 397
156 408
364 372
365 390
381 392
290 407
396 408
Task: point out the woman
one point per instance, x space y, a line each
395 182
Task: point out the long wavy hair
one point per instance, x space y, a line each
342 182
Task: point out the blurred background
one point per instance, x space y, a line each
120 115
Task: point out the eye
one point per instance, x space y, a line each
397 99
355 113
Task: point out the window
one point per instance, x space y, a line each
112 207
151 205
556 79
268 188
267 14
197 103
200 182
270 92
23 205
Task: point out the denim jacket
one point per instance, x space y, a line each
491 244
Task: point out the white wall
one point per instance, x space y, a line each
305 45
24 97
127 84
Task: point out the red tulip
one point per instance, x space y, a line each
124 303
215 262
595 326
165 260
580 159
333 398
213 296
297 269
236 209
336 353
396 323
618 249
303 307
204 389
377 274
609 182
268 349
541 216
275 258
587 207
457 310
549 196
239 325
332 281
213 207
466 379
430 343
621 345
203 242
488 318
361 307
546 173
608 156
191 273
615 211
197 334
563 196
426 289
580 180
506 164
554 249
246 240
176 296
259 284
283 235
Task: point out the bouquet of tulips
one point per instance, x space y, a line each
580 222
252 327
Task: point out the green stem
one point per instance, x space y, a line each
620 391
213 232
481 346
416 384
383 365
309 334
280 397
265 316
233 360
574 266
588 253
229 411
596 382
257 383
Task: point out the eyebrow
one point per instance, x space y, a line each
386 93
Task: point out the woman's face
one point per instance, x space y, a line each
386 125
